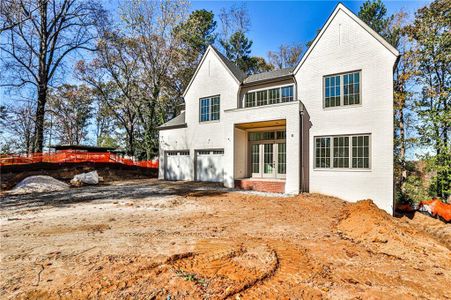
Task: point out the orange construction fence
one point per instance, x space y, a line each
74 157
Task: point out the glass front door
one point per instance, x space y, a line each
268 157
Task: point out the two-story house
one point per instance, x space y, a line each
324 126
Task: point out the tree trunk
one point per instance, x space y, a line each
40 114
402 151
43 80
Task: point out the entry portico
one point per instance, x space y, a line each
264 145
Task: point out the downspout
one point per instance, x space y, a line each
301 137
301 114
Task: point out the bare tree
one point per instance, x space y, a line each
286 56
234 19
39 36
153 27
71 108
114 76
19 124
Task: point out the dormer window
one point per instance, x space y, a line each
269 96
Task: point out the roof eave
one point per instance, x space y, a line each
184 125
271 80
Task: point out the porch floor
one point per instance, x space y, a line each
272 185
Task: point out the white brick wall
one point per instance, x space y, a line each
346 46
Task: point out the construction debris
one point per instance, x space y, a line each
437 209
90 178
38 184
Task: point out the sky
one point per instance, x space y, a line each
285 22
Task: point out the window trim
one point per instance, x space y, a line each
350 168
342 106
209 109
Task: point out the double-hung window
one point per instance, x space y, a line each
342 152
342 89
209 109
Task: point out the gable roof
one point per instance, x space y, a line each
177 122
341 7
275 74
240 75
230 66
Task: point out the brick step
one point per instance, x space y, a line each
271 186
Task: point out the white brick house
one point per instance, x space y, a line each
325 126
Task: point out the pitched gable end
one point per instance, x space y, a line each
344 9
236 73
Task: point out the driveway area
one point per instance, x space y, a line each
149 239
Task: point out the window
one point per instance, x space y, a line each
271 96
332 93
343 152
274 96
281 162
360 151
255 158
219 152
209 109
351 88
341 90
322 151
281 135
266 135
250 99
287 93
261 98
184 153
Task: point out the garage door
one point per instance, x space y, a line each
177 165
209 165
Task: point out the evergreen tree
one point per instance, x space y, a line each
431 36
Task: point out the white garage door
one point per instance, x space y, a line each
177 165
209 165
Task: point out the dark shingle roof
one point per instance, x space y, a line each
177 122
269 75
240 75
243 78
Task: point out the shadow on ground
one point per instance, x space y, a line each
127 190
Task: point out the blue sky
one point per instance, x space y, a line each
280 22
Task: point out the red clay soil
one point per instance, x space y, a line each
217 245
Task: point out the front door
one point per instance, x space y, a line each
268 157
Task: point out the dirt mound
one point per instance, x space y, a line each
38 184
365 223
436 228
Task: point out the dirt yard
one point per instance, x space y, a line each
146 239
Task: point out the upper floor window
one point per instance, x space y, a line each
287 93
270 96
343 89
209 109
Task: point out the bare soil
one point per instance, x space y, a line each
147 239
